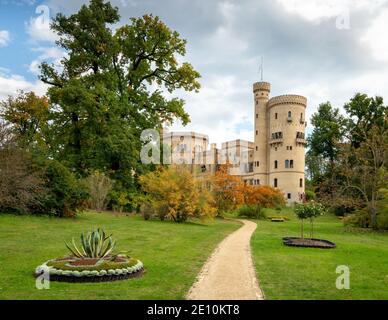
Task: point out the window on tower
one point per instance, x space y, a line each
287 164
257 115
257 132
276 164
288 195
291 164
301 183
276 115
275 183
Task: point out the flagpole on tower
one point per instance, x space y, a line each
262 67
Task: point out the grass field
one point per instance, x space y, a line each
304 273
172 254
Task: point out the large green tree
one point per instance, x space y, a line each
327 133
365 113
110 86
324 144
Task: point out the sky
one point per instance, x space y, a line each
325 50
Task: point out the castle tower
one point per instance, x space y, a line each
279 155
287 145
261 91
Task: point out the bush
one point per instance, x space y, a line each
310 195
173 193
21 181
251 211
65 194
360 218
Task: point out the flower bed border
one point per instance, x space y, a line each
98 276
288 241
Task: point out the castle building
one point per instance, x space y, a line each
276 157
279 141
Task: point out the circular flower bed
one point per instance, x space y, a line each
73 269
308 243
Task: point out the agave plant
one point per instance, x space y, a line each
94 245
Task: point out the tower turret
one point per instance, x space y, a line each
261 91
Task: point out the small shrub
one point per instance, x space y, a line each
147 211
310 195
251 211
360 218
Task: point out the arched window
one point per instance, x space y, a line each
275 182
289 114
276 164
291 163
287 164
301 183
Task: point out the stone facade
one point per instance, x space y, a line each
280 141
276 157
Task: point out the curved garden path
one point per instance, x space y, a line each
229 273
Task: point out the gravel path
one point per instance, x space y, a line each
229 273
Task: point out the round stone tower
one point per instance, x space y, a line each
261 91
286 143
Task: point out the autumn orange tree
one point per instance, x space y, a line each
227 189
257 197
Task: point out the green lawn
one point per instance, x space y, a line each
172 254
304 273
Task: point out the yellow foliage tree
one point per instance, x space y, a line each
173 193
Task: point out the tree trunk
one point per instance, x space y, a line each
373 215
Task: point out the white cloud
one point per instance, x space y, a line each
4 38
39 28
47 54
10 84
375 36
319 10
218 109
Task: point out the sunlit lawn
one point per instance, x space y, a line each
304 273
172 254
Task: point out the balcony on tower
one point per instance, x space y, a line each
300 138
276 137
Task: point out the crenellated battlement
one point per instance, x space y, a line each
261 86
287 99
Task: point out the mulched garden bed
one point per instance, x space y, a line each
308 243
